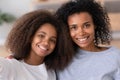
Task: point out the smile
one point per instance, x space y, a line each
82 40
43 48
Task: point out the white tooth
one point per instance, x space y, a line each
82 39
42 47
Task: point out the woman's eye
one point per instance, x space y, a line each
86 25
73 27
53 40
41 35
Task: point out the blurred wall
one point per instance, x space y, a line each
15 7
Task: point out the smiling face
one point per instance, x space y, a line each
44 41
82 30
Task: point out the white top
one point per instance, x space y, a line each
104 65
12 69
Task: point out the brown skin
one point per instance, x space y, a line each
43 44
21 37
82 31
100 21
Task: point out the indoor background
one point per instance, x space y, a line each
13 9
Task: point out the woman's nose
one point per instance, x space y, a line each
80 31
46 42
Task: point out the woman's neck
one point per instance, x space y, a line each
94 48
32 60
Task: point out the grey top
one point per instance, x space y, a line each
104 65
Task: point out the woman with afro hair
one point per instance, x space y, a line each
89 28
38 44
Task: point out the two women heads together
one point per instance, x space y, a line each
41 36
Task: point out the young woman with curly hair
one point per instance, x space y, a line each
89 27
39 46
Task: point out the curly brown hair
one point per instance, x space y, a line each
20 37
98 13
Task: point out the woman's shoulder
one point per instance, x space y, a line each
111 49
114 53
114 50
6 63
6 60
